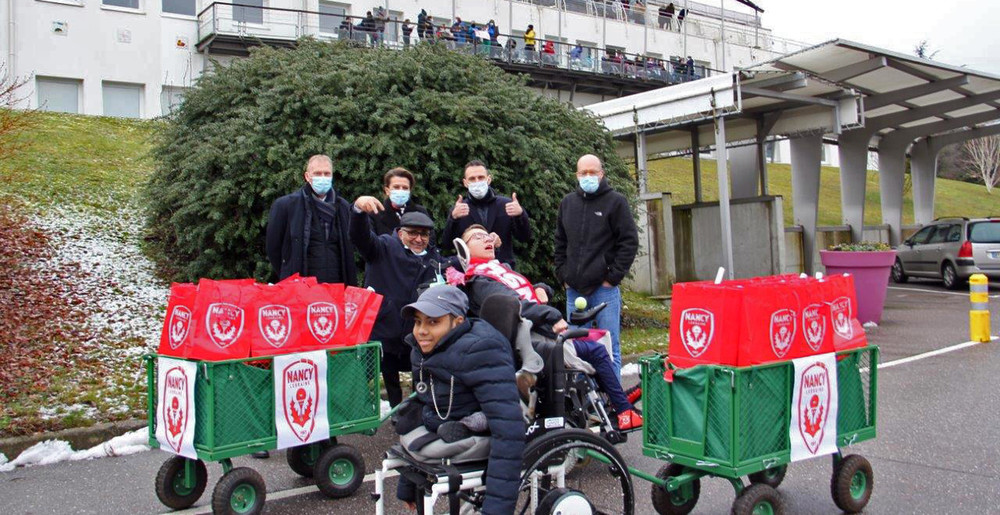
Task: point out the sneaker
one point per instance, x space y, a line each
261 455
630 419
634 394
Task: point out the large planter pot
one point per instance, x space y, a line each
871 277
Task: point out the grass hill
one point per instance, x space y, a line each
952 198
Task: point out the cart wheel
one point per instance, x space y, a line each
339 471
771 477
564 500
302 459
677 502
759 499
240 491
852 483
170 483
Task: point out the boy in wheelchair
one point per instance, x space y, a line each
485 277
464 370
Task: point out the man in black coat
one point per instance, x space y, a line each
596 242
398 185
465 366
395 265
307 230
501 215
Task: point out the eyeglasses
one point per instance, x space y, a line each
480 236
418 234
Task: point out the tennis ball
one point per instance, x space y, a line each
581 303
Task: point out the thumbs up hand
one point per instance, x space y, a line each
513 207
460 210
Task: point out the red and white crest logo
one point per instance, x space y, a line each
814 405
350 313
275 324
299 393
783 326
224 323
697 329
177 327
176 406
813 325
841 315
321 317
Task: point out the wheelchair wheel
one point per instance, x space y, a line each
605 485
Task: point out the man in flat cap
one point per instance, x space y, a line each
396 264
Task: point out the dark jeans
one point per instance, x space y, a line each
595 354
394 361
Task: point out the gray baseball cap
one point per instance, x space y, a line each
416 219
438 301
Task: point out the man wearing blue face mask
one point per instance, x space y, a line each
596 242
307 230
498 214
398 186
396 265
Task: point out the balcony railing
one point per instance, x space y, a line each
271 25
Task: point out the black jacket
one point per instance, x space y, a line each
509 229
596 239
393 272
482 364
388 220
288 227
542 316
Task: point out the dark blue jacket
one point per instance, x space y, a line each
509 229
482 364
288 227
393 272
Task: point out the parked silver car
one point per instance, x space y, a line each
951 249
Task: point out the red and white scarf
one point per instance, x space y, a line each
498 272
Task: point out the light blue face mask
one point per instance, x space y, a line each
399 197
322 185
589 183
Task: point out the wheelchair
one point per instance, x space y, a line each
566 423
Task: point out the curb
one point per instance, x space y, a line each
79 437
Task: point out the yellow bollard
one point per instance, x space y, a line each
979 316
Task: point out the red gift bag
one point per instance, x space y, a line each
274 329
177 323
842 302
220 330
321 312
705 324
361 307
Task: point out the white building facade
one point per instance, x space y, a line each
135 58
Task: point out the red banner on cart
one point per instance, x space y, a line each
175 406
300 399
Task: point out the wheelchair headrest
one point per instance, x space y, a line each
503 312
463 253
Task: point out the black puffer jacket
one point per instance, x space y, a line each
596 239
393 272
482 364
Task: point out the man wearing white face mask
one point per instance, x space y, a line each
596 242
498 214
398 185
396 265
307 230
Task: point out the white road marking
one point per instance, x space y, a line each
932 353
276 496
964 294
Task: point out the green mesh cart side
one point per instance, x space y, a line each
734 421
234 400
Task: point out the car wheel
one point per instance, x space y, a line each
898 275
950 276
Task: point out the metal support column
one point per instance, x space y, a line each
807 154
853 152
891 172
696 164
721 163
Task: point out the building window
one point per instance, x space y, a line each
244 14
171 98
131 4
122 100
58 95
330 17
184 7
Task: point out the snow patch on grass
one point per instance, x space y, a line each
55 451
51 412
630 369
870 325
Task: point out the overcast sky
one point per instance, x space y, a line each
966 32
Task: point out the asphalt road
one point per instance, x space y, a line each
936 452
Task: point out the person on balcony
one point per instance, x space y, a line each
529 39
407 30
